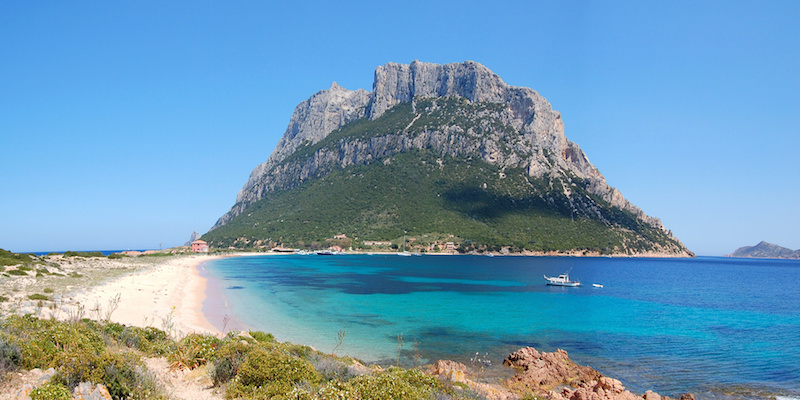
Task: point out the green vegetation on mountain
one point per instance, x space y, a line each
420 194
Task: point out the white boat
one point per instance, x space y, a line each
561 280
597 285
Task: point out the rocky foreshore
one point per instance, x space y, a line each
554 376
546 376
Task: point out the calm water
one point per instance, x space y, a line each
705 325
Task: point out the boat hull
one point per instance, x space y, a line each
567 284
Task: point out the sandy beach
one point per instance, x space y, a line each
166 292
168 296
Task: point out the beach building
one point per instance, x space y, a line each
199 246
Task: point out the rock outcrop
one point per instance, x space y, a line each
554 376
457 372
537 131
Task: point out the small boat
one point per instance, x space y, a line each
561 280
324 253
597 285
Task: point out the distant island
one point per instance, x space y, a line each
766 250
435 158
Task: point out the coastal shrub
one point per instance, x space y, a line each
49 343
151 341
337 390
121 373
113 330
51 391
83 254
193 351
37 296
265 374
9 258
395 383
229 357
3 299
116 256
10 356
331 368
262 337
206 344
48 290
17 272
298 350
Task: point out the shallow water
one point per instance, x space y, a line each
724 328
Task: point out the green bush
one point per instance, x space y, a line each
51 391
395 384
229 357
151 341
49 343
9 258
83 254
262 337
265 374
121 373
193 351
116 256
10 356
37 296
17 272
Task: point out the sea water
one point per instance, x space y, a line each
720 327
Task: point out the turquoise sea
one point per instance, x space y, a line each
717 327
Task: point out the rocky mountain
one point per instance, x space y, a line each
192 238
765 250
450 113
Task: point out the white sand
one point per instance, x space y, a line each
168 296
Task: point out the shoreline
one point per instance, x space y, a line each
169 296
215 306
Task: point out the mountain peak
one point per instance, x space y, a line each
458 111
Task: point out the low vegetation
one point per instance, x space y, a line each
9 258
244 366
428 198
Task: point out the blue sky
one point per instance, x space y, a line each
129 124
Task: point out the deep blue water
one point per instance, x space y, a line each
702 325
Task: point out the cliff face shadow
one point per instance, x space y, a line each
483 205
486 206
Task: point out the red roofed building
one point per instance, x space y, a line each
199 246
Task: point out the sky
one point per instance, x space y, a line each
130 124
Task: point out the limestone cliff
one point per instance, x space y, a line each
539 128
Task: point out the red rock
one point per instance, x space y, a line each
546 373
